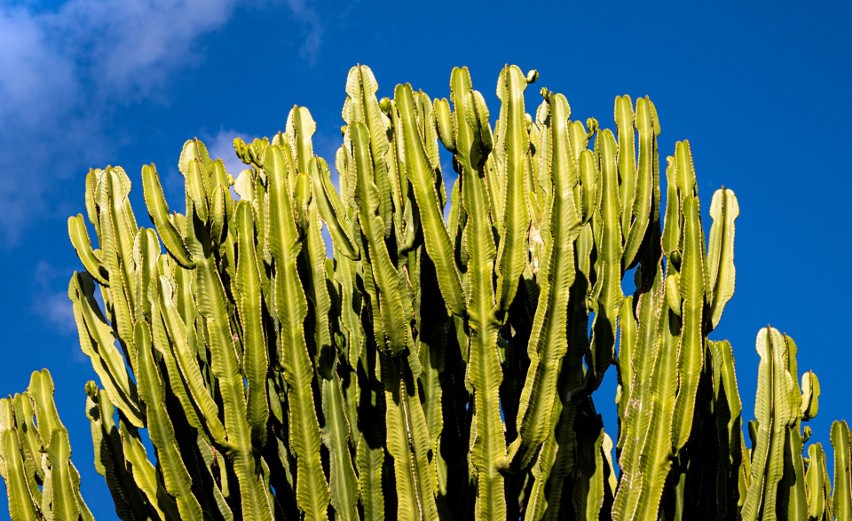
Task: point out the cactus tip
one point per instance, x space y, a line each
532 76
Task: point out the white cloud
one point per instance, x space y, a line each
59 73
53 62
130 48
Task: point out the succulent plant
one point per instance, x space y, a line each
439 355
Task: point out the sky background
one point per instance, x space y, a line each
760 89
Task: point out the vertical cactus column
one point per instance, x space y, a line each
841 495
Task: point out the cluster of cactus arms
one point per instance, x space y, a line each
435 355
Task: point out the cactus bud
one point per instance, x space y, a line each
532 76
592 125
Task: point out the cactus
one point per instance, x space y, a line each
420 366
35 453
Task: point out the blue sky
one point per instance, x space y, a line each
760 89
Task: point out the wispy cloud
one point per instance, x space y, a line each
35 76
52 306
37 91
131 48
312 27
64 71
